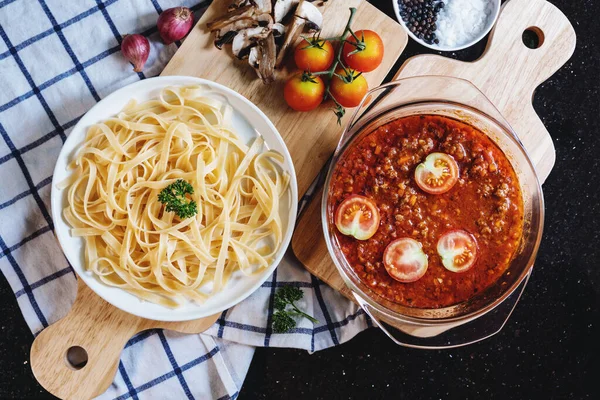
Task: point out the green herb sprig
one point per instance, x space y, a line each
286 309
175 198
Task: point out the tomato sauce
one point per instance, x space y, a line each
486 202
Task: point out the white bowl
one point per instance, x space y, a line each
490 23
247 119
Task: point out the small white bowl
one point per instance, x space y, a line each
247 120
490 23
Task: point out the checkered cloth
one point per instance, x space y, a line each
57 59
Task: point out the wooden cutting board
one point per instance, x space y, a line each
101 329
507 73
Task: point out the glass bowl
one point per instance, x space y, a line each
458 99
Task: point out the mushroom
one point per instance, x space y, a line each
252 9
245 12
306 15
227 33
246 39
279 34
256 30
237 4
278 29
263 6
262 58
283 8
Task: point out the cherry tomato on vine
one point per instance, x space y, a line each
364 55
304 92
348 87
313 55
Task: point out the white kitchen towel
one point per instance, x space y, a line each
57 59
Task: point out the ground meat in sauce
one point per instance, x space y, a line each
486 201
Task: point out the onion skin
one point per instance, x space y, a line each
136 49
174 23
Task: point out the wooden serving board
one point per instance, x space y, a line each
101 329
507 73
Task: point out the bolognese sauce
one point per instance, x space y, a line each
428 210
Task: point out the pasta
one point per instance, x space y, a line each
131 241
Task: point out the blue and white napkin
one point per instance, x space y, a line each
57 59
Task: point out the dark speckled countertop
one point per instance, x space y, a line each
551 343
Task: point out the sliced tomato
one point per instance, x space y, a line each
437 174
357 216
405 260
458 250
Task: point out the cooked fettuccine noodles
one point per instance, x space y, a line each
131 241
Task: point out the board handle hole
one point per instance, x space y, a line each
533 37
76 357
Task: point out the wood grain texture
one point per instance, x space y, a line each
310 137
507 73
100 328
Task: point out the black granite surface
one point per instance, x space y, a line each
550 347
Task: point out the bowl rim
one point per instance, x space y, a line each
484 32
426 321
63 236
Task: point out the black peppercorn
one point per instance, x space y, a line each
420 17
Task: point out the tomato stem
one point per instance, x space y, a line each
339 110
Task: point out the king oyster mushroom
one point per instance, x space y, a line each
305 16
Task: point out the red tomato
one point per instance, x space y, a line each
458 250
368 58
357 216
313 56
304 92
437 174
405 260
350 89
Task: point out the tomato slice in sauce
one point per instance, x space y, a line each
405 260
437 174
458 250
357 216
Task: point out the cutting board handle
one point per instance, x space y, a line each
100 329
516 65
77 357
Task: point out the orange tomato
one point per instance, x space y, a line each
367 58
304 92
350 89
314 56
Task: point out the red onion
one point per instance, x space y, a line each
136 49
174 23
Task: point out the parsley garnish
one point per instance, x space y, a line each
175 199
282 319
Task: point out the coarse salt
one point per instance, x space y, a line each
461 21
